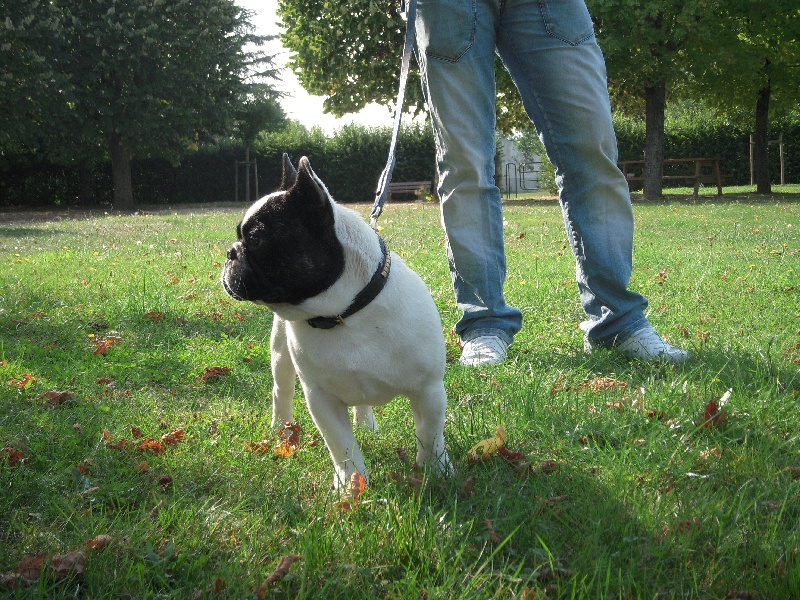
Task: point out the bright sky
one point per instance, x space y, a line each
300 106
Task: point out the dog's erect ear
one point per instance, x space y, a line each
309 196
289 173
311 188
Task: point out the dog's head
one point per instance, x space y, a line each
287 250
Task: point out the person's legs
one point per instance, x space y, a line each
455 52
549 48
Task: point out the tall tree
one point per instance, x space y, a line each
29 81
348 52
150 77
84 79
755 64
648 65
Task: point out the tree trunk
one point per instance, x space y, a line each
655 103
121 174
760 143
85 181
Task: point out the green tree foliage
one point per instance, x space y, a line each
348 52
127 78
753 64
644 67
150 77
29 80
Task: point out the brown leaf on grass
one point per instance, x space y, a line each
403 456
350 498
8 580
282 570
793 471
11 455
86 466
601 384
213 373
143 468
712 416
155 446
155 316
173 437
290 440
30 567
468 489
120 444
103 344
521 466
98 542
24 381
492 533
261 447
216 587
136 432
54 398
551 503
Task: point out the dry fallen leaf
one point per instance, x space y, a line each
712 416
54 398
261 447
11 455
290 440
155 446
602 383
173 437
24 381
98 542
351 495
213 373
282 570
103 344
488 446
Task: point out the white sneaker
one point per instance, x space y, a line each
483 350
646 344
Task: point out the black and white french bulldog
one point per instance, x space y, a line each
350 318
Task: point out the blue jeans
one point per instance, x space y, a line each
548 47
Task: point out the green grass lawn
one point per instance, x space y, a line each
621 488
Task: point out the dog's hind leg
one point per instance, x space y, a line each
365 418
429 417
283 374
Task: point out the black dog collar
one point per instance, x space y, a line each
364 297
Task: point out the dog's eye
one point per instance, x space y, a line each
253 241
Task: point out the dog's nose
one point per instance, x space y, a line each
232 254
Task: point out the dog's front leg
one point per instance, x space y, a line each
283 374
332 418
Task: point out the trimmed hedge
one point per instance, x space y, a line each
693 134
351 161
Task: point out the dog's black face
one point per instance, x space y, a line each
287 250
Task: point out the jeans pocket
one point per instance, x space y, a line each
445 28
567 20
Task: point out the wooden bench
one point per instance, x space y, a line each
409 188
705 170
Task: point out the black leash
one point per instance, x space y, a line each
386 176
